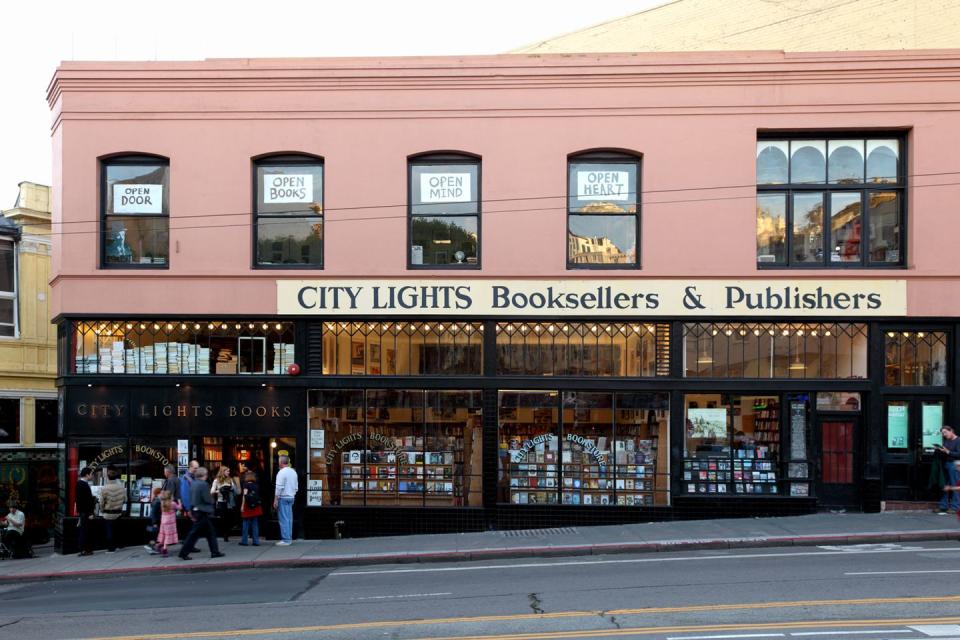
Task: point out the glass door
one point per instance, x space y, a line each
912 430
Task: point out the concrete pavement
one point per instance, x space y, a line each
817 529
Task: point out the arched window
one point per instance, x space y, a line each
603 210
839 202
288 216
444 208
135 212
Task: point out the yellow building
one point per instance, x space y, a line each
29 454
783 25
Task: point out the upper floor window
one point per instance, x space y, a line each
8 288
135 208
830 202
444 211
603 206
288 217
915 358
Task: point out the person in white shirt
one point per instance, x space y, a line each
16 527
287 484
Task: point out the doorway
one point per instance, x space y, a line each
912 429
838 438
259 454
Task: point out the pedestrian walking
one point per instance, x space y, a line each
168 523
112 496
201 511
85 505
946 455
250 510
225 490
286 491
186 482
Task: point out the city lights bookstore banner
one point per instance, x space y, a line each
626 298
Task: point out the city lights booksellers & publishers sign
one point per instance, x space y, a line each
609 298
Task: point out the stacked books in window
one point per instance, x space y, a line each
173 358
105 358
226 361
86 364
133 359
160 358
282 356
117 359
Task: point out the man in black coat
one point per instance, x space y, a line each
85 507
201 510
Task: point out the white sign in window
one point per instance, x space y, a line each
445 187
138 198
285 188
603 185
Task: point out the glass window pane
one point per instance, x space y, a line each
529 447
136 240
808 161
602 239
772 228
137 189
846 161
838 401
290 188
587 446
707 422
883 161
290 241
443 240
338 464
454 452
395 448
772 162
931 421
898 424
46 421
807 227
9 420
444 188
845 225
6 311
8 278
884 226
642 451
608 187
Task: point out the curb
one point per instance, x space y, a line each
609 548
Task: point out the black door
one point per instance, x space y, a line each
912 428
838 444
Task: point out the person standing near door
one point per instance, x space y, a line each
112 496
948 454
287 484
85 507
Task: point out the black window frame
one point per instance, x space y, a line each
445 158
789 189
293 160
601 157
130 159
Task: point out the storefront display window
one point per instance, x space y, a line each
9 421
591 349
145 472
394 447
865 222
732 444
838 401
603 203
164 347
289 213
402 348
445 211
99 455
135 196
767 350
608 448
915 358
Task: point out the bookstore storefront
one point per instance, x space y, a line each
415 421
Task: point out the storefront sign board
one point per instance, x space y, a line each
607 298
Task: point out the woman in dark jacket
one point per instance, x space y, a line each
251 508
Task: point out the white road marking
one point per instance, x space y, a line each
859 548
898 573
576 563
407 595
848 633
748 635
937 630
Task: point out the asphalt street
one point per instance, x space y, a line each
860 591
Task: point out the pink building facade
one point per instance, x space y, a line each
514 290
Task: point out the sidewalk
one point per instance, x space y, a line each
815 529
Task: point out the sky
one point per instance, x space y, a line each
37 35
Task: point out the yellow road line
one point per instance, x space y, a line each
541 616
761 626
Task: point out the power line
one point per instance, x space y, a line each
326 221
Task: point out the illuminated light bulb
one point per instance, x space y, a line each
169 327
236 326
906 334
129 326
729 332
196 327
142 327
891 334
786 332
155 327
800 332
770 331
814 333
210 326
921 334
182 326
715 332
743 332
827 333
264 326
756 332
250 326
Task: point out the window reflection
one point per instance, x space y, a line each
446 240
846 161
808 227
884 226
771 227
807 161
289 242
772 162
602 205
602 239
845 226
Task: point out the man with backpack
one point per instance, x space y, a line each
250 509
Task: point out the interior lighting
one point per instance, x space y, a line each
278 327
921 334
